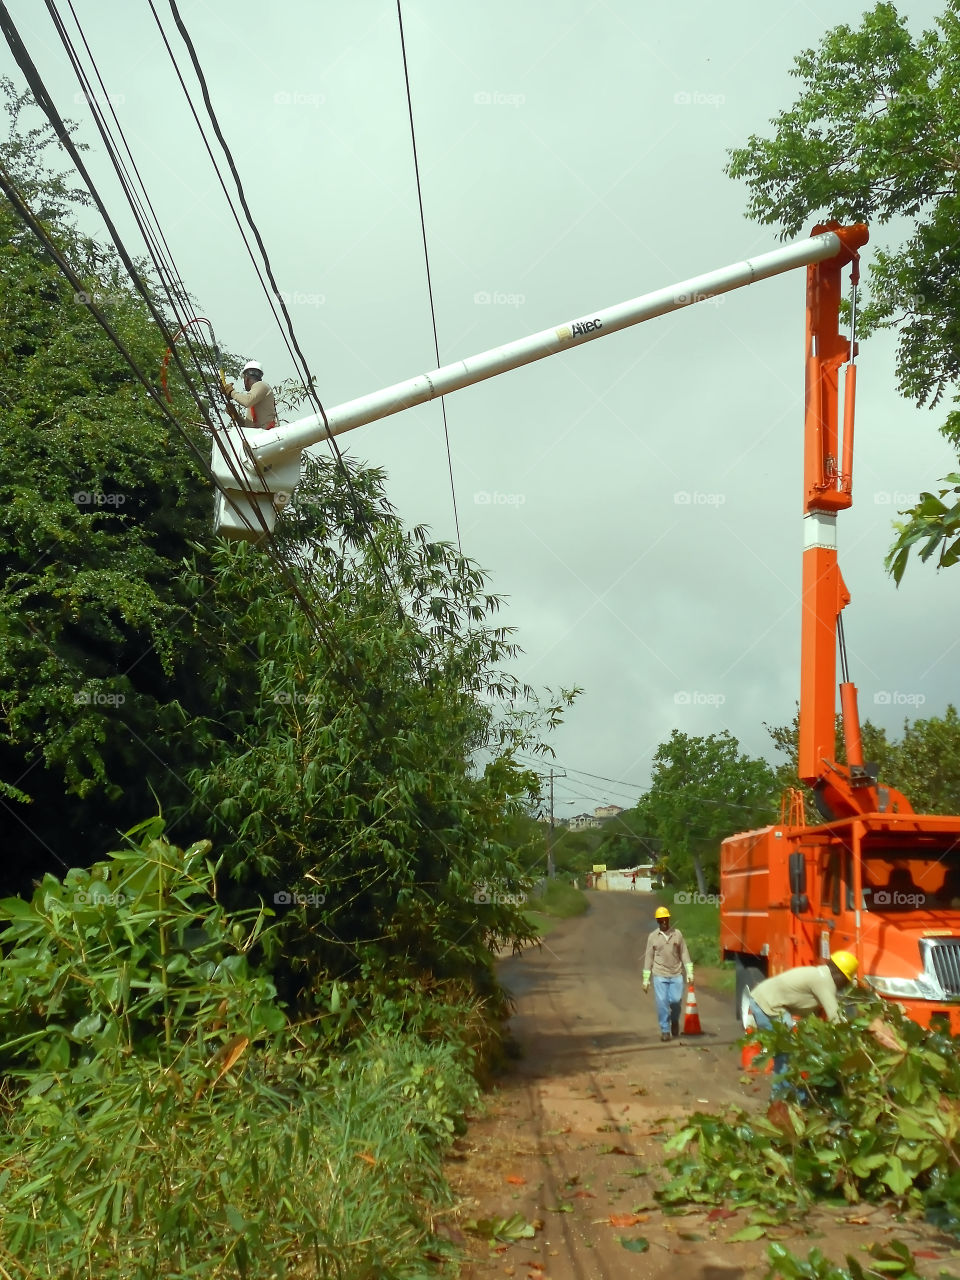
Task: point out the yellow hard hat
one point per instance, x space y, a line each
662 913
846 962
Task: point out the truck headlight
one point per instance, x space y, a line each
918 988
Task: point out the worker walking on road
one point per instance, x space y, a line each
256 397
800 991
666 958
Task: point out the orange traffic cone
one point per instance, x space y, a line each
752 1049
691 1019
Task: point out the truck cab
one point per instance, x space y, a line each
883 886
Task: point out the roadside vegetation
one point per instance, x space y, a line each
242 1050
880 1121
164 1116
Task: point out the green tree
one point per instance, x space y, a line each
873 137
576 851
626 842
360 773
924 764
100 501
702 790
335 711
929 763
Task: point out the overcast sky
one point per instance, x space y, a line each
638 500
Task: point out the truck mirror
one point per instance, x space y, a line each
798 874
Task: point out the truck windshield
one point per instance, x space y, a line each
910 884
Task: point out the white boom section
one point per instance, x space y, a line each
269 461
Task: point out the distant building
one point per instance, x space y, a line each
639 879
607 810
581 821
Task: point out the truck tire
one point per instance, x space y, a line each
748 976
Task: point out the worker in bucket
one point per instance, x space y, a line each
800 991
665 959
256 397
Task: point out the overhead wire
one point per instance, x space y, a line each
721 804
235 461
166 269
426 258
147 222
295 350
45 102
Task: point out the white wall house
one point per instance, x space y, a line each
623 880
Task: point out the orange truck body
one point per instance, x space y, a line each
884 886
875 879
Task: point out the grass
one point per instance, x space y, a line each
559 901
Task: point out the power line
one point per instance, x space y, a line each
20 205
703 800
306 376
426 258
46 104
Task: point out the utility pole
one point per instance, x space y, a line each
551 869
551 872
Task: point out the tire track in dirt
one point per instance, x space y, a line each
577 1126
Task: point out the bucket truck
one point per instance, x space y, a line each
873 878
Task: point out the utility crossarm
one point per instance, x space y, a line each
267 463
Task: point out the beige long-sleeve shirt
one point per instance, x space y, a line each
260 405
666 955
799 991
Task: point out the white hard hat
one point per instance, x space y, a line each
253 366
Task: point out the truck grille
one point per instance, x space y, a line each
946 964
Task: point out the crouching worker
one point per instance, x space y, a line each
800 991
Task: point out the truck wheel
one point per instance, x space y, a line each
748 976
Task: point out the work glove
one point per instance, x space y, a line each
646 981
690 973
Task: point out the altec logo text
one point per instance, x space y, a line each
581 327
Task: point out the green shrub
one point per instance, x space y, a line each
881 1119
161 1116
560 899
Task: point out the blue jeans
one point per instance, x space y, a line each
668 993
765 1023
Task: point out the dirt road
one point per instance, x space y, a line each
575 1132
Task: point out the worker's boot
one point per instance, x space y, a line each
664 1035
